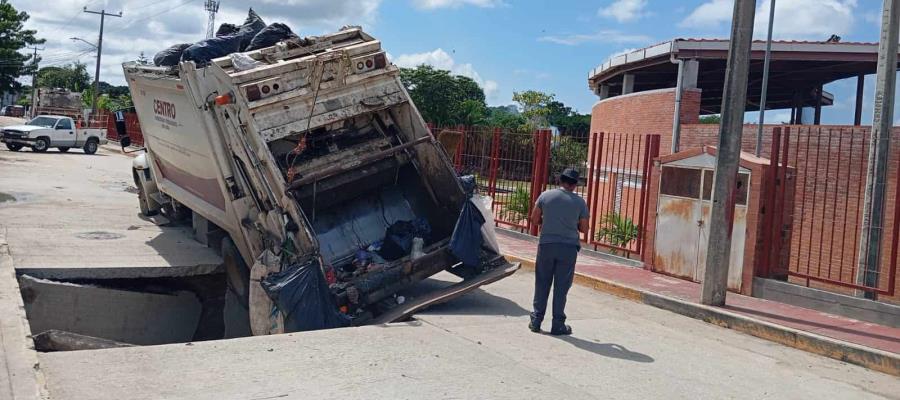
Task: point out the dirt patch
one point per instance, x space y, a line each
99 235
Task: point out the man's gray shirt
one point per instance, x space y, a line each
562 211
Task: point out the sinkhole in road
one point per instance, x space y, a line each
101 313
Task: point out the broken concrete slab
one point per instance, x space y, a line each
56 340
120 315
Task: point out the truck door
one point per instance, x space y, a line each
64 134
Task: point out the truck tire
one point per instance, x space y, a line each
237 292
63 149
14 146
91 146
41 145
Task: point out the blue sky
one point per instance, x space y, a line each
505 45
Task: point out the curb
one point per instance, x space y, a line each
870 358
25 378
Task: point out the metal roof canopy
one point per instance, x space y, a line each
796 67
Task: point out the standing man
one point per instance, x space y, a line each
562 214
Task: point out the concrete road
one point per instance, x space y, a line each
72 215
476 347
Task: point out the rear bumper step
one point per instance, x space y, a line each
406 310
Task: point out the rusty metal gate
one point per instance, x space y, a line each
824 219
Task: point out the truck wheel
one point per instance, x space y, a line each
144 201
63 149
14 146
237 292
91 147
41 145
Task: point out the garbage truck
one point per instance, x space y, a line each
327 190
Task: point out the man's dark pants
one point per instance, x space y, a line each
555 264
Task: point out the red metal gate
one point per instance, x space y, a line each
824 218
515 166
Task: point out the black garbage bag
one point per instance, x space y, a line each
398 239
202 52
270 35
465 243
170 56
251 27
301 294
226 29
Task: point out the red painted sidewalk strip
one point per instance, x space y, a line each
834 326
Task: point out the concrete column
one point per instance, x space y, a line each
627 83
691 72
603 91
860 87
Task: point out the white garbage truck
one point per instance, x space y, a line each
329 190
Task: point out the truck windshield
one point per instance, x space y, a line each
46 122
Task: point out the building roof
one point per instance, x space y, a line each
797 66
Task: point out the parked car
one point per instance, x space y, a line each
13 111
46 131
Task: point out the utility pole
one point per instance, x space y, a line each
212 7
103 15
734 101
765 82
879 147
34 60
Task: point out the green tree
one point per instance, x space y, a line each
73 77
711 119
443 98
13 38
567 153
567 120
535 106
503 117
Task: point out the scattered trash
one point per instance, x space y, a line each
417 245
401 299
226 29
398 239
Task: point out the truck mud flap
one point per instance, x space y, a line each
406 310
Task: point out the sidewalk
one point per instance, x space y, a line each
863 343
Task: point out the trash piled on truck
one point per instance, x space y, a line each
254 34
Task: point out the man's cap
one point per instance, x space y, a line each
571 174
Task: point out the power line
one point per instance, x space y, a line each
130 23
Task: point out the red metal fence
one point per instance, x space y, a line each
515 166
830 166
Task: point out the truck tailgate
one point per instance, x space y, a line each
406 310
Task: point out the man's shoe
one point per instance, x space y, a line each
562 331
536 328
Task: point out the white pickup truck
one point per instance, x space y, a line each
46 131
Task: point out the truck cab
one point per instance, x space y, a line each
53 131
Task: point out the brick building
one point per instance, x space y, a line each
639 94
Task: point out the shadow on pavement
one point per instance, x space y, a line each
477 302
610 350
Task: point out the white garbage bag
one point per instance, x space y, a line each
487 230
243 62
264 316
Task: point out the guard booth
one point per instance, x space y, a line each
680 235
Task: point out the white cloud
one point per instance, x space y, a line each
605 36
435 4
709 15
439 59
794 19
152 26
624 10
